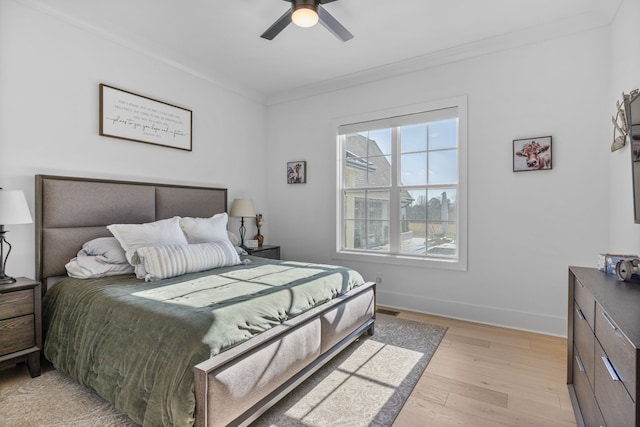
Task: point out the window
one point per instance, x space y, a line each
402 186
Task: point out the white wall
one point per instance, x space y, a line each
49 81
525 229
625 66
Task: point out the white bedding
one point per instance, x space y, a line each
99 258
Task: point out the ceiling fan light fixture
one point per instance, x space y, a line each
304 15
307 13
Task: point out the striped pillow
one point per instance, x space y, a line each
161 262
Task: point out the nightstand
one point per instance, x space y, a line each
20 323
265 251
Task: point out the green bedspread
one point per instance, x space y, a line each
136 343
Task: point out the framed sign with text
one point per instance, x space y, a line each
126 115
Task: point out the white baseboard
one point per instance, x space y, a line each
531 322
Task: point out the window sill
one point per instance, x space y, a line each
436 263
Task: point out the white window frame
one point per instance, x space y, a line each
459 102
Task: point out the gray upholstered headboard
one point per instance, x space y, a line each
71 211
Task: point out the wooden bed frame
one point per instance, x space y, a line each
238 385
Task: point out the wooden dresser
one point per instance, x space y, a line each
603 341
20 324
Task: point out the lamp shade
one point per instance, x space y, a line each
13 208
242 208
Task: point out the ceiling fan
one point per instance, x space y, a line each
307 13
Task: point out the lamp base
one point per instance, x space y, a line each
5 280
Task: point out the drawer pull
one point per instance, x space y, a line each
580 314
580 364
610 368
613 325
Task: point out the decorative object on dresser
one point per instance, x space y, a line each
265 251
259 237
628 269
602 348
297 172
126 115
13 210
20 324
242 208
607 262
532 154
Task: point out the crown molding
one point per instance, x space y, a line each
223 83
513 40
528 36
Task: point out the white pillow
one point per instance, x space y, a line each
204 230
162 262
235 240
106 249
134 236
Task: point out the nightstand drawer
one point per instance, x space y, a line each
20 323
17 334
266 251
14 304
269 253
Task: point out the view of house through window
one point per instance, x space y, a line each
399 185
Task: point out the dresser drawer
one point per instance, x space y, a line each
583 340
14 304
17 334
618 409
587 401
586 302
618 348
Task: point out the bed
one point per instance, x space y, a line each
229 383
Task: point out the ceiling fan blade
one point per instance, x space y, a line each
278 26
331 24
326 1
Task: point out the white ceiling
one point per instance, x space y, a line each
220 39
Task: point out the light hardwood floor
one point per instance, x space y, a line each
479 376
484 375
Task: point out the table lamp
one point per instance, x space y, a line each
13 210
242 208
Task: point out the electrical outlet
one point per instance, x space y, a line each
378 278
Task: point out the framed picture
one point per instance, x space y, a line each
126 115
297 172
532 154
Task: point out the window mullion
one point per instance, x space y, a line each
366 220
341 236
394 196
